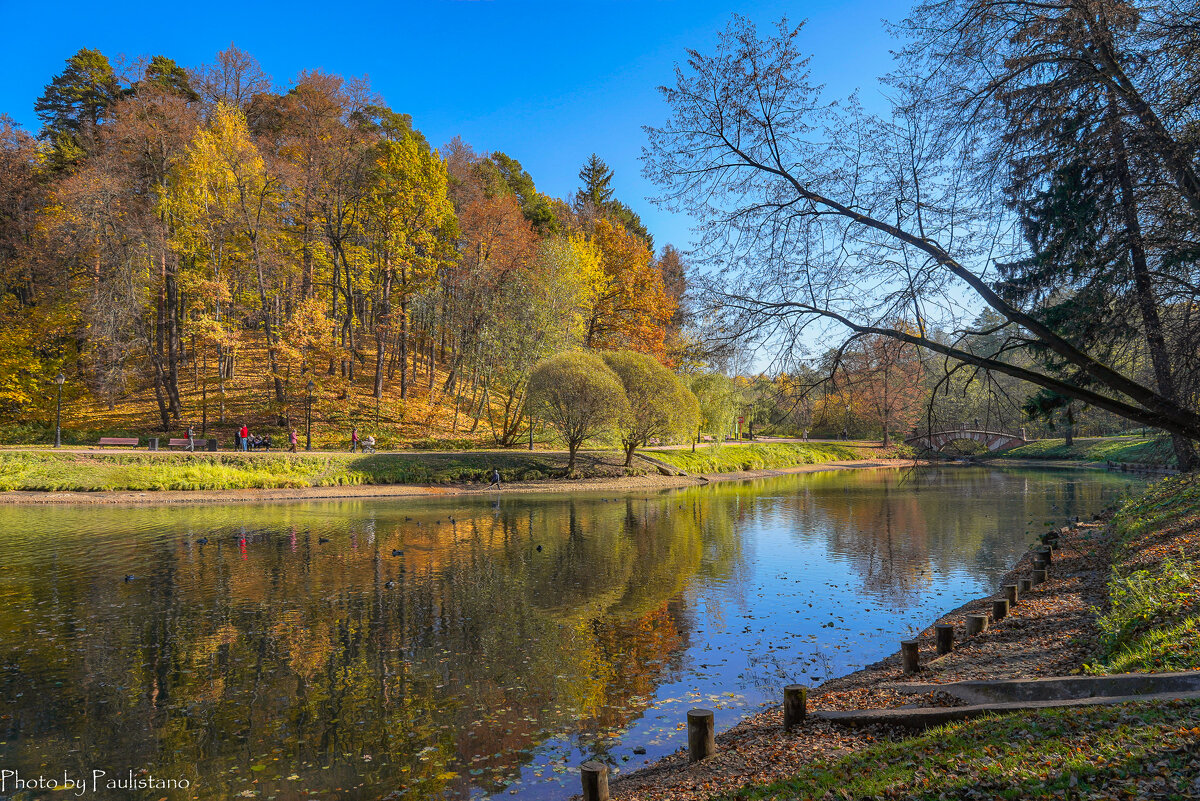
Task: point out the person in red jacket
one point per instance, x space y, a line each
244 436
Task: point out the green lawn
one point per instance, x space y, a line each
728 458
203 471
1135 450
1152 619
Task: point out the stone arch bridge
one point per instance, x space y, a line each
992 440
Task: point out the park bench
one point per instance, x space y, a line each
128 442
181 442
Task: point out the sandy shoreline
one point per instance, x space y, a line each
361 491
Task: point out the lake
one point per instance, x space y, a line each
464 647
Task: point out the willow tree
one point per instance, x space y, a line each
660 406
579 396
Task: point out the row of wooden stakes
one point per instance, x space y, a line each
702 739
701 730
977 624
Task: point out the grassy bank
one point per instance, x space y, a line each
1150 622
1055 754
765 456
95 472
1131 450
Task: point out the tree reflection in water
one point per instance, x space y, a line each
344 650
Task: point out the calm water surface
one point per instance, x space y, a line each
465 647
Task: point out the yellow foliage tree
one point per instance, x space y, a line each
227 203
413 226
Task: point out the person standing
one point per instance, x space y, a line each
191 437
244 436
293 439
353 439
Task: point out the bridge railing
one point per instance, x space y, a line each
965 426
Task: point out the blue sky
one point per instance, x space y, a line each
546 82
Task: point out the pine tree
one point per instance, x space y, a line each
597 180
597 194
163 73
74 105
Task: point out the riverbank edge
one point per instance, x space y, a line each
648 482
655 781
1074 464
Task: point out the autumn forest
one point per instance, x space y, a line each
172 230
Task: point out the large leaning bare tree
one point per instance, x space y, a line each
822 219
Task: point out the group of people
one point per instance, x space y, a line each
243 441
246 442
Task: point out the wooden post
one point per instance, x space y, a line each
1010 592
595 781
1024 585
976 624
999 610
945 638
1046 552
1039 577
1039 563
908 649
795 705
702 741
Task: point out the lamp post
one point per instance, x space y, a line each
58 379
308 417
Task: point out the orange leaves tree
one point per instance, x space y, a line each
631 307
886 377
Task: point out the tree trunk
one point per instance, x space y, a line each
164 412
173 341
348 325
382 328
483 402
403 332
1185 454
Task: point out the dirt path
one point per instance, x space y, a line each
1048 633
621 484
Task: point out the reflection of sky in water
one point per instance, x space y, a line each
464 646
